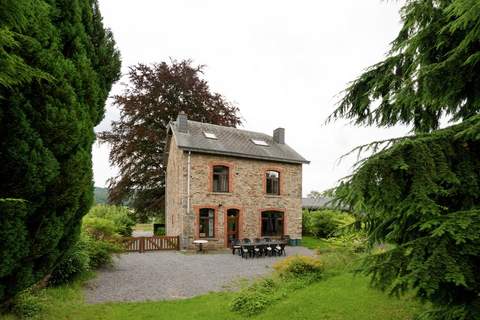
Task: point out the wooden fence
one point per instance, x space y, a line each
154 243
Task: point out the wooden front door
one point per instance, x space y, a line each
232 225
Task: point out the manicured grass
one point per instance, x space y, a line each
339 297
314 243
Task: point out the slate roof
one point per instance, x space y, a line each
316 203
233 142
321 203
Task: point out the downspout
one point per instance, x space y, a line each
188 182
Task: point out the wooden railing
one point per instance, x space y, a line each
154 243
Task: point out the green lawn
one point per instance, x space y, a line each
338 297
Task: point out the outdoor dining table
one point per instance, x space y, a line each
263 243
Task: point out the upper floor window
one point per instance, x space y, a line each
272 180
206 223
220 179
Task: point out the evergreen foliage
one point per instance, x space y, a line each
154 97
57 65
422 193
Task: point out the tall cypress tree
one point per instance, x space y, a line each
421 194
58 65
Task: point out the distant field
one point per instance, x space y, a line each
143 227
101 195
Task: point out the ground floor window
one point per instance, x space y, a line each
272 223
206 223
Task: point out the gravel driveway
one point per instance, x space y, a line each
172 275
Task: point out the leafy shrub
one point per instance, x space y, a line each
101 252
159 229
254 299
299 266
250 302
28 305
356 241
99 228
324 223
76 262
121 217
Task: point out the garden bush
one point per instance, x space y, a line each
99 228
255 298
101 252
76 262
121 217
299 266
88 254
325 223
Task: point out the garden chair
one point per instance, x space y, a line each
269 251
258 248
236 246
280 249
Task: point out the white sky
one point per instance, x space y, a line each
283 63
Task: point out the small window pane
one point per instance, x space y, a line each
273 182
220 179
206 224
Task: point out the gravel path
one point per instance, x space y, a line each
173 275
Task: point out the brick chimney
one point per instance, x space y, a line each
279 135
182 123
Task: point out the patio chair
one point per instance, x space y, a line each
267 239
236 246
245 252
246 240
258 248
280 249
286 238
269 249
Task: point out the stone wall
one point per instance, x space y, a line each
247 186
174 193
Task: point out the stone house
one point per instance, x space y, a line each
224 183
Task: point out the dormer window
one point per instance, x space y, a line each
259 142
210 135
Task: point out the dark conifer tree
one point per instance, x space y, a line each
421 194
57 66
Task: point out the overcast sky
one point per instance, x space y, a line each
283 63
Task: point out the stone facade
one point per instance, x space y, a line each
185 197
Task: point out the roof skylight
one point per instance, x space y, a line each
210 135
260 142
